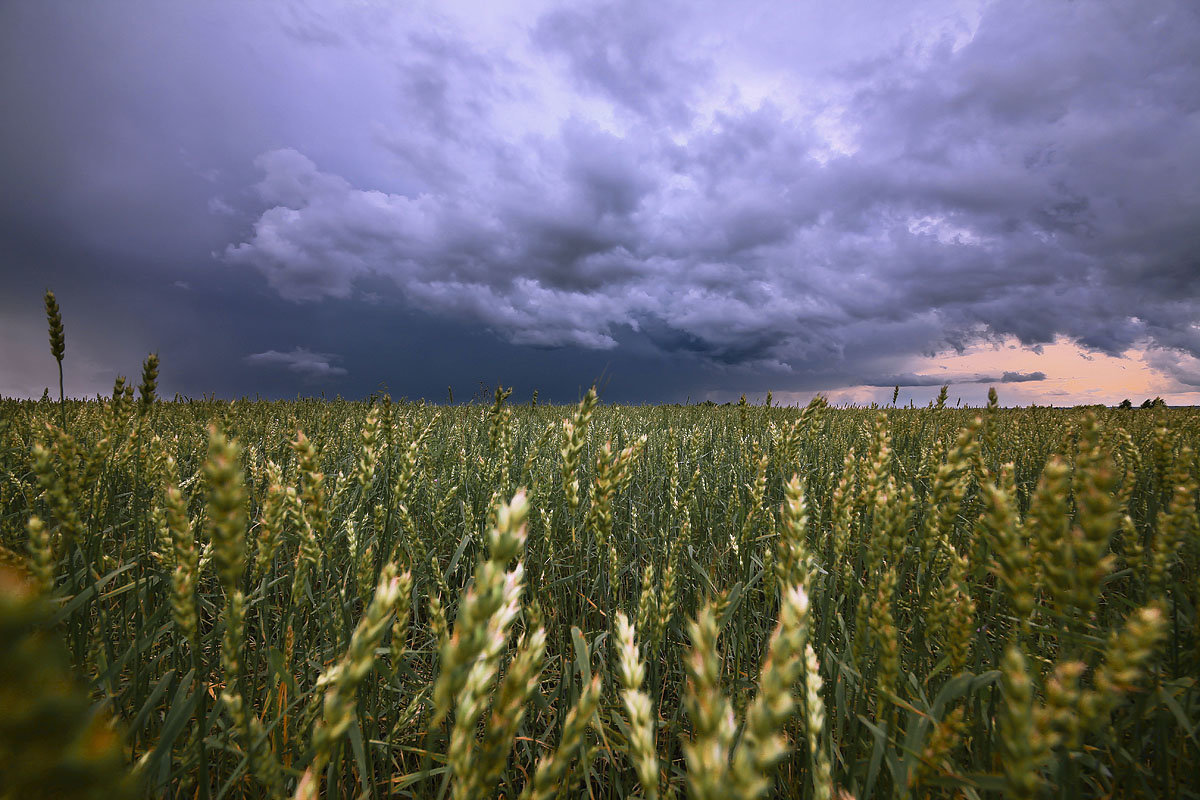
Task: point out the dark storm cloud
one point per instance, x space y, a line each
774 194
998 188
910 380
1185 368
1022 377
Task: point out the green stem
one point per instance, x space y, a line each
202 781
62 407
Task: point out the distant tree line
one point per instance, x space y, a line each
1157 402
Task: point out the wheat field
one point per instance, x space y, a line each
376 599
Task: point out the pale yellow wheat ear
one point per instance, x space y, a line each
647 600
763 744
1001 525
613 473
469 767
552 769
668 590
574 438
1018 735
814 726
642 748
791 563
1126 654
713 724
482 772
368 458
344 677
489 607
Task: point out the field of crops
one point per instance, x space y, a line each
375 599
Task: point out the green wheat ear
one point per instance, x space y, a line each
54 317
58 346
149 383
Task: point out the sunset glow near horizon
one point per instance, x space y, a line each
673 200
1080 377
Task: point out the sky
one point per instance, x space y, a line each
681 201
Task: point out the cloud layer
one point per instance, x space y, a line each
721 198
1034 178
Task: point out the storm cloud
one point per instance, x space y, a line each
781 196
910 380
